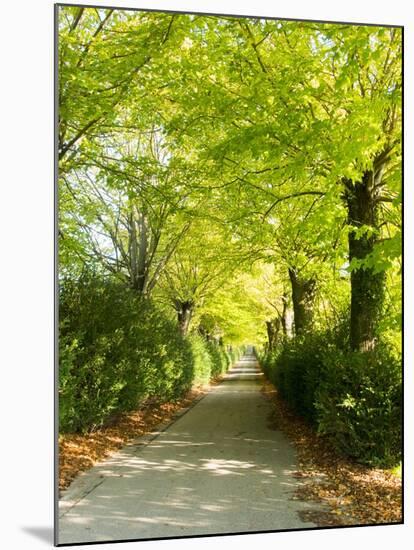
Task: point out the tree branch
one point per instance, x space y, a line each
66 146
291 196
77 19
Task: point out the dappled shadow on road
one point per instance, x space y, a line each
240 492
245 373
245 370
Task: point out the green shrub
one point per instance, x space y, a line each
267 363
202 359
233 353
294 368
354 398
229 358
218 359
67 397
359 405
225 359
89 383
115 350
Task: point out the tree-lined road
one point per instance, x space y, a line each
219 468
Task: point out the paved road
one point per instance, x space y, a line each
217 469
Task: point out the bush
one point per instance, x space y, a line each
295 369
354 398
233 354
203 363
359 404
225 359
218 359
115 350
88 389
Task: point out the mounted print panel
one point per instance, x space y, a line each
229 274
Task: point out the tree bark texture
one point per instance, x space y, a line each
367 287
272 327
184 314
303 294
286 321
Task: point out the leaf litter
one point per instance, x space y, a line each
353 493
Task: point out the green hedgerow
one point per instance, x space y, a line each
352 397
116 349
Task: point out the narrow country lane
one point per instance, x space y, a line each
217 469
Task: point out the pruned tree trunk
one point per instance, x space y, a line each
303 294
184 314
138 251
284 319
204 333
367 287
273 327
142 268
269 329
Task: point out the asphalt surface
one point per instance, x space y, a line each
218 468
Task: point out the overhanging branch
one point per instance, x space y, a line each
291 196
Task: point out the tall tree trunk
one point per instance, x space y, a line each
142 271
284 319
272 327
367 287
184 314
303 294
205 333
137 249
269 329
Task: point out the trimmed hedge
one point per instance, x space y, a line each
116 350
219 359
234 353
359 405
295 377
353 397
203 362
